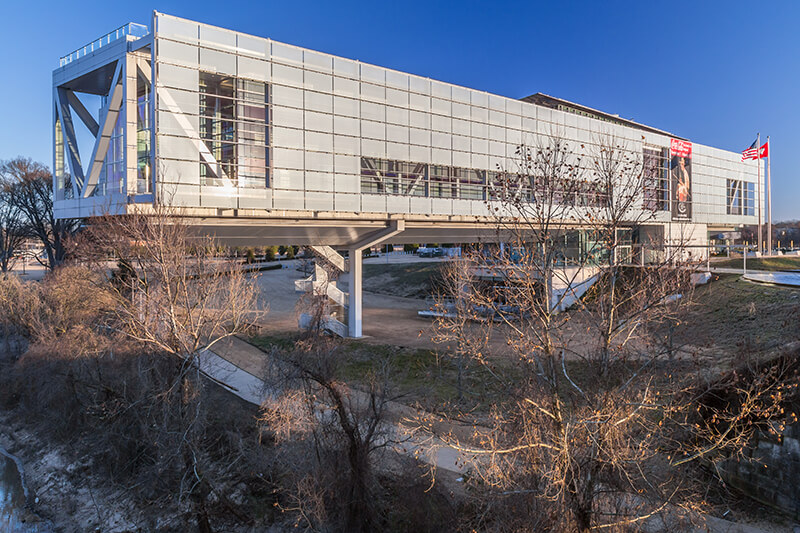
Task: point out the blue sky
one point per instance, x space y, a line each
715 72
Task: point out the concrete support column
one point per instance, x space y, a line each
354 308
354 311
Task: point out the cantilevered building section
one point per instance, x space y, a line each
262 142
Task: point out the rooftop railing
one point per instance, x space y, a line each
131 28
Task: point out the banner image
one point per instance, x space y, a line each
681 174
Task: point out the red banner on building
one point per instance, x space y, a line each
680 148
681 170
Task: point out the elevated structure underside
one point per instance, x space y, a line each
338 233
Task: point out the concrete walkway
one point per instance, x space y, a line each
235 365
790 279
775 277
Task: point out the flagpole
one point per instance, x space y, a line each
769 200
758 157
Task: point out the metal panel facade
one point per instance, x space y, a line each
323 114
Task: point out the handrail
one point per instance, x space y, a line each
131 28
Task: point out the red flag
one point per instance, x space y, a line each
756 153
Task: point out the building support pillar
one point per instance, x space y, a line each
354 311
355 307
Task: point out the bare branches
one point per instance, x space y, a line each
29 188
174 295
173 290
12 230
342 426
456 317
580 284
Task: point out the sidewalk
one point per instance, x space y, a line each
775 277
235 364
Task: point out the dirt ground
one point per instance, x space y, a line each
387 319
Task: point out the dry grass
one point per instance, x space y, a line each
415 280
727 316
761 263
418 376
731 313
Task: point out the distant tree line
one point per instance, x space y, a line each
26 212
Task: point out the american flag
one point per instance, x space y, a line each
753 151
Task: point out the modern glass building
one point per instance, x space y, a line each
267 143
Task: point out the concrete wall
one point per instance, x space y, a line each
771 472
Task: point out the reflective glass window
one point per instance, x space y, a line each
234 114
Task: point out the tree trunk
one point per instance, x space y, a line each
358 519
198 492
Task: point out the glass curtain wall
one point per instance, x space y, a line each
62 175
656 179
143 139
111 175
741 197
234 114
581 248
381 176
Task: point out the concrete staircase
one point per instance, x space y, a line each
320 284
570 284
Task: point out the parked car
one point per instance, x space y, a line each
430 252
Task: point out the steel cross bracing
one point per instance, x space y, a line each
66 101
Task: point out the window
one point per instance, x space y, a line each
455 182
143 113
472 183
591 194
741 198
443 183
623 246
655 179
381 176
749 198
113 170
234 118
497 183
62 177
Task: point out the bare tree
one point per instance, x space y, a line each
456 316
634 279
344 427
176 296
592 427
29 186
12 231
112 359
